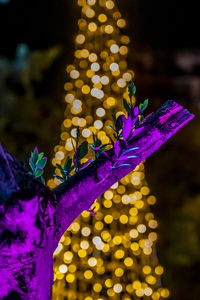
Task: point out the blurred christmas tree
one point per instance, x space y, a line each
111 254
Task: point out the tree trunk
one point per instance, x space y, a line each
33 218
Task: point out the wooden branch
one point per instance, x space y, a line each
80 191
33 218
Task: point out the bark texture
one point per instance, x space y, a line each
33 218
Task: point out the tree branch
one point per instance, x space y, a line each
81 190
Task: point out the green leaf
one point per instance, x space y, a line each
40 155
140 107
119 123
34 157
145 104
39 173
82 150
132 90
41 163
68 164
126 106
42 179
114 118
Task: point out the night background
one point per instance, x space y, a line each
37 43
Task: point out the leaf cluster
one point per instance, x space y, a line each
37 162
80 151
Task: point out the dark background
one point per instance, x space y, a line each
165 54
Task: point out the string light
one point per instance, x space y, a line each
109 255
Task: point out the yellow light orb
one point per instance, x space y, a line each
117 288
100 112
134 246
86 133
68 255
133 233
108 195
70 278
92 27
99 225
127 76
91 2
84 244
117 240
114 67
82 253
80 39
92 57
68 86
70 68
74 74
90 73
74 132
139 292
86 231
150 279
97 287
146 270
98 124
90 13
95 67
78 83
114 48
108 283
148 291
116 15
67 123
141 228
77 53
109 29
81 122
97 93
121 82
123 50
59 155
85 89
108 219
137 284
92 262
75 226
105 80
119 272
110 4
151 200
96 79
63 269
82 24
165 293
123 219
121 23
85 53
159 270
83 64
153 224
125 39
123 65
128 261
102 18
119 254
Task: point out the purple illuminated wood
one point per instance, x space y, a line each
33 218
